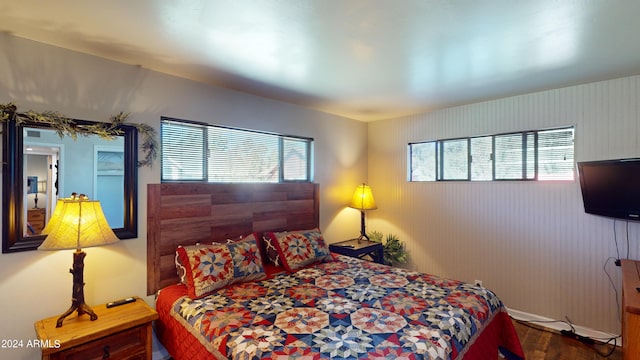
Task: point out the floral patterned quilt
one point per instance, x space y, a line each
346 309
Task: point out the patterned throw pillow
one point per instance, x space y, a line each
181 270
273 257
297 249
210 267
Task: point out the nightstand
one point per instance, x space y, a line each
122 332
36 218
359 249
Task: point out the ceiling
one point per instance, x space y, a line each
362 59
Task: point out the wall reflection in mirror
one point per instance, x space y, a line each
55 167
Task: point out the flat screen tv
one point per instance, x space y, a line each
611 188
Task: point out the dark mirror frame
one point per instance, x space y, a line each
13 239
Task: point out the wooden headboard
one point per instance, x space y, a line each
185 214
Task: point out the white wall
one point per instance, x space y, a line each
531 242
35 285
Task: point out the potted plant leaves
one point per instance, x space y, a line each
394 251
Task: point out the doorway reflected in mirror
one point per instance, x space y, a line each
89 164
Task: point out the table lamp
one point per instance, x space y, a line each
77 223
363 200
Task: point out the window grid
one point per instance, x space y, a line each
527 156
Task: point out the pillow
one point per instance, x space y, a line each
211 267
297 249
182 271
271 251
180 268
260 240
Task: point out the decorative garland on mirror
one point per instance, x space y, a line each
65 126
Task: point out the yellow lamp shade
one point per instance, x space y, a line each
363 198
76 224
57 211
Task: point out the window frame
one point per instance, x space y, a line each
205 178
435 160
525 157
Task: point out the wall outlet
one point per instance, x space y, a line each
477 282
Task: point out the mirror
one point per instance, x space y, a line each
40 167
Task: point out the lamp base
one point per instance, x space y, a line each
363 238
363 231
77 299
81 308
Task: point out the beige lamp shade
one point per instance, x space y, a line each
363 198
42 186
75 224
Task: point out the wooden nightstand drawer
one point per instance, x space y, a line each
129 344
36 214
36 218
121 332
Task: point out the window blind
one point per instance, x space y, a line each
528 155
200 152
242 156
555 154
455 159
182 151
481 158
508 156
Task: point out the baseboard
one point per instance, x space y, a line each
558 326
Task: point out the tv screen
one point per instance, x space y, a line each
611 188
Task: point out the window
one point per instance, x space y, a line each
455 159
182 151
422 161
481 158
555 154
529 155
208 153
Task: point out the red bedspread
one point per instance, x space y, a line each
346 309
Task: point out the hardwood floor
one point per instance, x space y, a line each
540 344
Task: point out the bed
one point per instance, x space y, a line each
281 302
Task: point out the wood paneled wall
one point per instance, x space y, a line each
531 242
185 214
